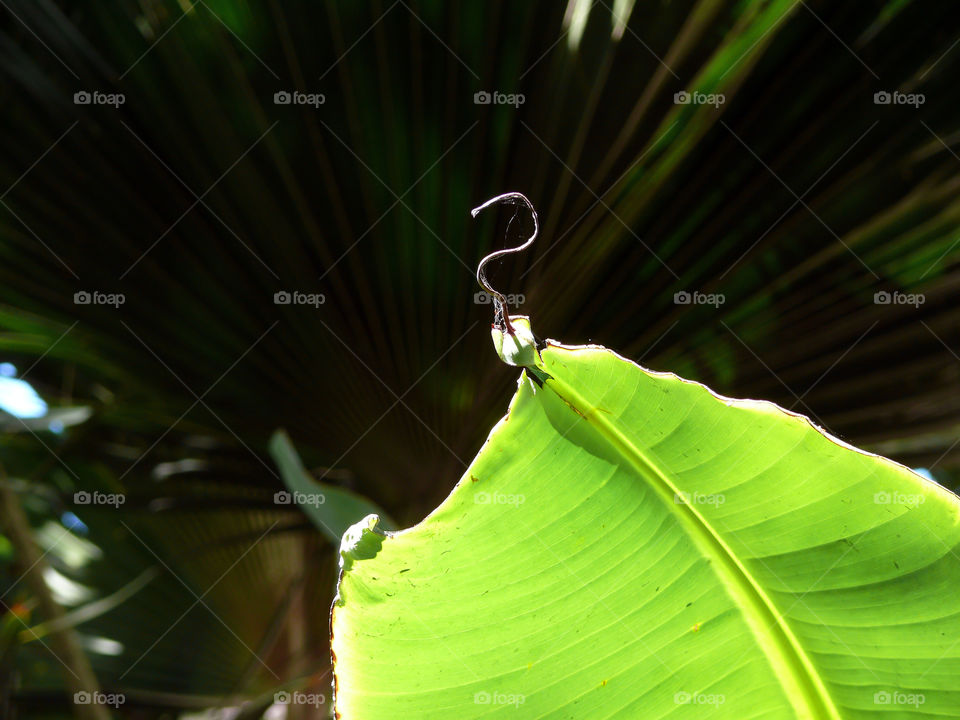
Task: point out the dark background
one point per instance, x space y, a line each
798 199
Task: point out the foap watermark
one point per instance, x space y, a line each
698 98
698 498
282 497
296 297
483 97
95 97
884 97
82 497
498 498
698 698
95 297
485 298
898 498
498 698
898 698
299 698
114 700
698 298
295 97
882 297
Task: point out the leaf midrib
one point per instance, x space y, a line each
790 654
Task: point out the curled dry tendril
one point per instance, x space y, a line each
501 319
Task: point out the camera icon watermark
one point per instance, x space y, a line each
296 697
114 700
698 298
95 97
697 498
498 498
83 497
284 497
284 297
910 500
698 98
295 97
95 297
884 97
498 698
882 297
485 298
896 697
484 97
697 698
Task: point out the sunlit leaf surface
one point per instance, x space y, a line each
630 544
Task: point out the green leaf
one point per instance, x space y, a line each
629 544
332 509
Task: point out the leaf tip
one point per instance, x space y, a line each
519 347
361 541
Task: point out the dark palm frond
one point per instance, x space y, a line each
797 199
